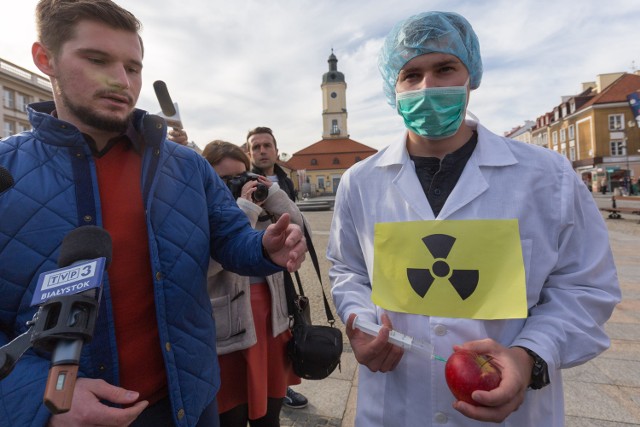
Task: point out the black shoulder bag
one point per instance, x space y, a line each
314 350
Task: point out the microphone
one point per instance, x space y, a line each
164 98
169 108
71 296
6 180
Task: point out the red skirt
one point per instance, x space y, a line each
262 371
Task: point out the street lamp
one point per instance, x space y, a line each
627 173
630 123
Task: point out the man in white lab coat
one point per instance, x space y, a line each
446 170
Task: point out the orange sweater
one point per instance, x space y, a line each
130 275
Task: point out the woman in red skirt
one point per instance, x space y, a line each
252 323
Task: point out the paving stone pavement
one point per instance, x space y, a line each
295 418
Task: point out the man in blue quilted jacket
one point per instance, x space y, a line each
93 159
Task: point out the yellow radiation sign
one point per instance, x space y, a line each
452 268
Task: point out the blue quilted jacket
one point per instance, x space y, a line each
190 216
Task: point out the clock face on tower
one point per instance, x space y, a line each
333 94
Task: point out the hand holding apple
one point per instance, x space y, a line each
467 371
515 371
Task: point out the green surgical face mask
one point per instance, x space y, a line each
434 112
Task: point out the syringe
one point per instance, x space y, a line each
397 338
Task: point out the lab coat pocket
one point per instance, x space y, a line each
532 294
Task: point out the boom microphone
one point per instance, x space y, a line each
6 180
162 93
170 111
85 253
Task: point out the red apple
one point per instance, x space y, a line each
467 371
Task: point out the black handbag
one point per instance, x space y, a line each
314 350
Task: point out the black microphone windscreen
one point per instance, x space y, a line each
162 93
84 243
6 179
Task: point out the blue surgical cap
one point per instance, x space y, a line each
428 32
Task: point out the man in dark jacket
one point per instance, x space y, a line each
263 152
92 158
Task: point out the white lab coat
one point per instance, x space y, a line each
572 286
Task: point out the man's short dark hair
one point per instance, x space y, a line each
261 129
56 20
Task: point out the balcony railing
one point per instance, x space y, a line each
25 75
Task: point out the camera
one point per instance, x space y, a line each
235 184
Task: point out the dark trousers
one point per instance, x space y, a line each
160 415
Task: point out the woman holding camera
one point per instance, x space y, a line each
252 324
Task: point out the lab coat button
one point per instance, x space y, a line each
440 330
440 418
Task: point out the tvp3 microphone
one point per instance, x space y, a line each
169 108
70 298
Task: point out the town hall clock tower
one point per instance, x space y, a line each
334 102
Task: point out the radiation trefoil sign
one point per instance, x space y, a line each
451 268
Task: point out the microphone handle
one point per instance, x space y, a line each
58 393
63 373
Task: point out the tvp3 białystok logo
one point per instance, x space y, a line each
73 279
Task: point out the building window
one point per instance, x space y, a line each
9 100
336 161
618 148
9 129
314 162
572 132
572 153
321 183
616 121
22 101
564 111
563 135
334 128
554 138
23 128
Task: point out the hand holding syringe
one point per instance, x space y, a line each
406 342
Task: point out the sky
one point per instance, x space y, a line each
236 64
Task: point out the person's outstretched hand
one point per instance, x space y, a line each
87 410
285 244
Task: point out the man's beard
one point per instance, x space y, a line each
96 121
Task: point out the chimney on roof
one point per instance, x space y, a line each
604 80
